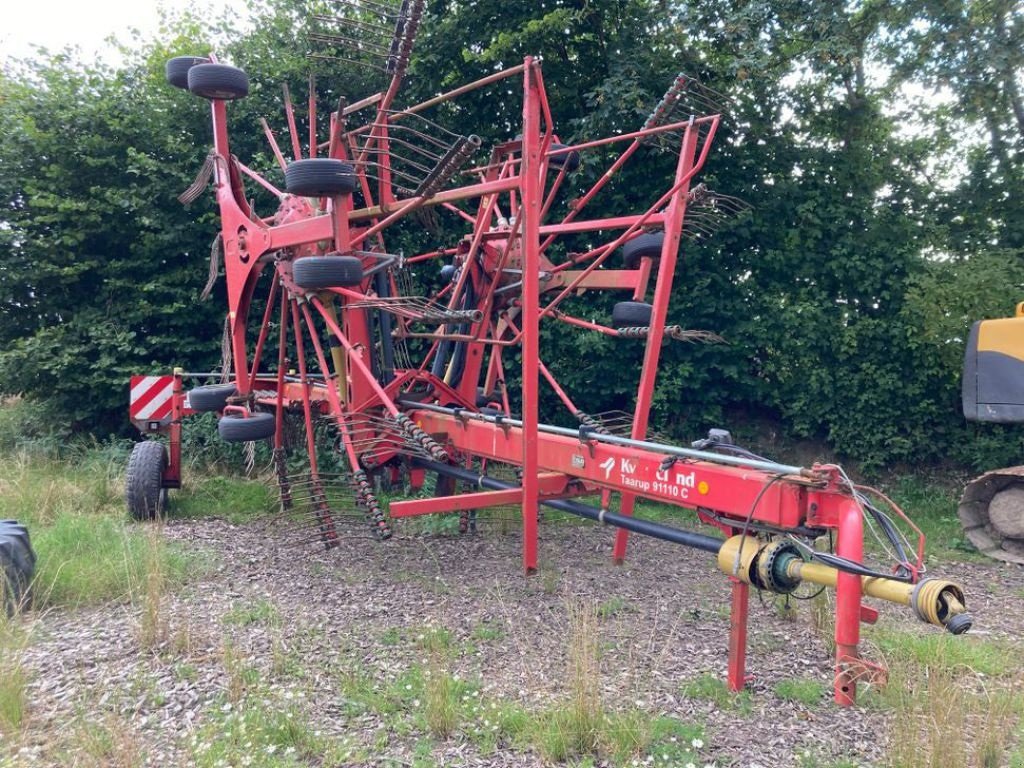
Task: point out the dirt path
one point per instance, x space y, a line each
306 619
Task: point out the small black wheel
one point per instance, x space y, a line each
177 69
17 566
571 160
647 246
319 177
631 314
143 486
218 81
212 397
316 272
237 429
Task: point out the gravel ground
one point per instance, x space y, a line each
663 622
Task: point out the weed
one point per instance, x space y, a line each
611 607
933 704
14 678
260 611
802 690
13 700
441 699
235 499
711 688
87 552
823 618
391 636
241 677
574 727
104 742
260 731
435 640
935 650
486 632
148 594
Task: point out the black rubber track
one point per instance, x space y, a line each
648 245
319 177
143 486
211 398
218 81
631 314
17 565
236 429
176 69
315 272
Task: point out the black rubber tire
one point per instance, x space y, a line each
17 566
143 485
482 399
647 246
319 177
211 398
316 272
176 69
218 81
257 426
631 314
571 160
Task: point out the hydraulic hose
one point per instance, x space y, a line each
644 527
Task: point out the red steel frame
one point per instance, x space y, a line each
517 181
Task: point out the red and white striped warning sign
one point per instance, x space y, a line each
151 397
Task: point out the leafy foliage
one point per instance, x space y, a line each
844 296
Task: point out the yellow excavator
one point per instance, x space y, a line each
992 507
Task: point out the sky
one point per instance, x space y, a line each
59 23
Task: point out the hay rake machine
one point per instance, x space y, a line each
325 325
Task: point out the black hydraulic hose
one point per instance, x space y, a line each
643 527
459 355
387 344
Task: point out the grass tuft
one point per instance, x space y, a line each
801 690
87 551
14 678
715 690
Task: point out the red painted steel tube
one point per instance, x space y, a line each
566 400
579 323
260 180
737 675
307 409
293 132
272 140
581 203
659 311
355 359
332 391
262 339
282 348
850 545
172 472
312 115
728 490
550 484
530 190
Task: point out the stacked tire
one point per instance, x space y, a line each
17 566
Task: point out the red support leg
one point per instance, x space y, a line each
848 595
738 635
662 294
172 473
531 196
